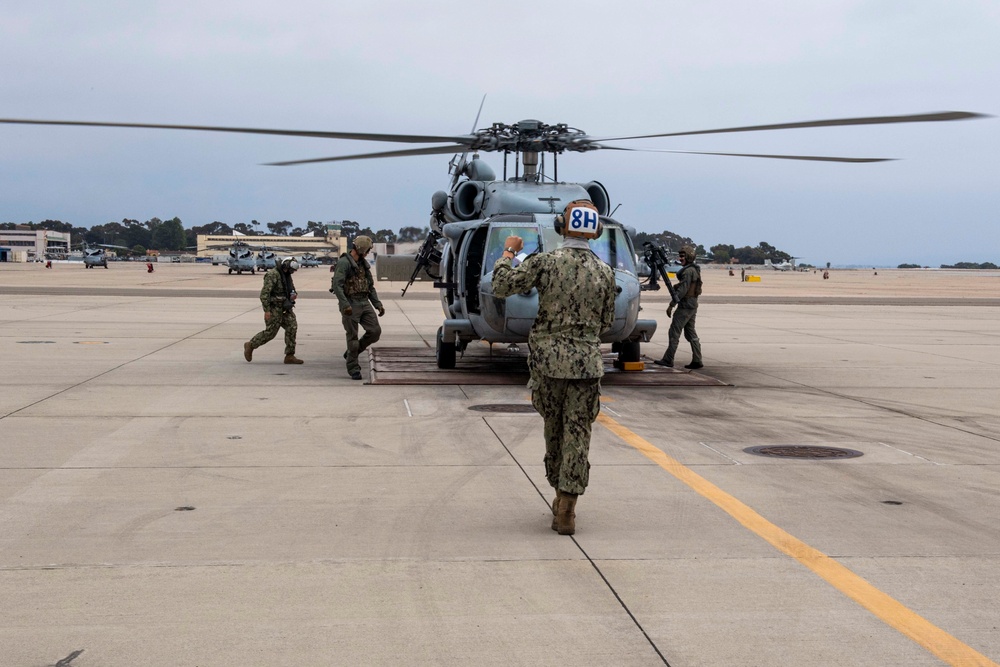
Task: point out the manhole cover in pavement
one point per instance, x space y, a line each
803 452
502 407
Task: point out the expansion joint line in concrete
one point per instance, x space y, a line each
590 560
898 411
123 364
415 330
887 609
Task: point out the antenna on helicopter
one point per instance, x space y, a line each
460 166
611 215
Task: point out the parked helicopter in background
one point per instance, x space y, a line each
470 221
267 258
96 254
241 257
308 261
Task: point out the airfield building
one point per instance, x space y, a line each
318 244
24 244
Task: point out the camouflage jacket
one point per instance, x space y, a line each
687 278
272 294
352 282
576 302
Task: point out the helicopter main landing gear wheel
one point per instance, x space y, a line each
629 355
445 351
230 272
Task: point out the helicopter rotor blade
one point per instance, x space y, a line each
430 150
814 158
870 120
359 136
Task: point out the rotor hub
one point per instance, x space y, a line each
531 136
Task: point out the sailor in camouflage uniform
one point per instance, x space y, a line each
576 302
686 292
355 289
277 297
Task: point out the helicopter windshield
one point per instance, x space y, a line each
499 231
612 247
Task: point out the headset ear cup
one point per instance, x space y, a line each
559 223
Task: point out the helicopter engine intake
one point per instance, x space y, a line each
468 199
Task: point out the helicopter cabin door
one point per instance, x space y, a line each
515 314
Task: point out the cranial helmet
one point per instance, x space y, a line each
362 244
580 219
688 252
290 264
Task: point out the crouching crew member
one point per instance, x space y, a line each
576 302
277 297
354 286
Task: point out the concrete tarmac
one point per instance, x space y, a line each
163 502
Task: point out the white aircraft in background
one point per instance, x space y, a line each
781 266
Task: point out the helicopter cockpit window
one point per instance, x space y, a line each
499 233
612 247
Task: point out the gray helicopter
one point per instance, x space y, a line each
96 254
241 257
470 221
267 258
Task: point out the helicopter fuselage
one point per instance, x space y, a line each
95 257
472 246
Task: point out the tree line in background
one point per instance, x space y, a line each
170 235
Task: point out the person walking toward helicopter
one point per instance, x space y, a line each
277 297
686 293
354 286
576 303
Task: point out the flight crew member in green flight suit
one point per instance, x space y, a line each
576 302
687 291
277 297
354 286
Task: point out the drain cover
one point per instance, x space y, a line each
502 407
803 452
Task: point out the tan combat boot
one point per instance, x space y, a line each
290 359
555 509
248 351
566 514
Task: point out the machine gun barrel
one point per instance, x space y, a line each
427 255
658 262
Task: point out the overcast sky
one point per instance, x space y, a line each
608 68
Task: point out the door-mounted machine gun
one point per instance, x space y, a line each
428 255
657 261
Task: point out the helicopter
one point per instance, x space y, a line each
241 257
96 254
267 258
308 261
470 221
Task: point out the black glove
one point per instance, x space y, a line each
348 311
381 311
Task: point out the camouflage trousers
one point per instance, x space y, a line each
279 319
683 320
569 407
362 314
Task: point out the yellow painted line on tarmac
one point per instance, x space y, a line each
888 610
